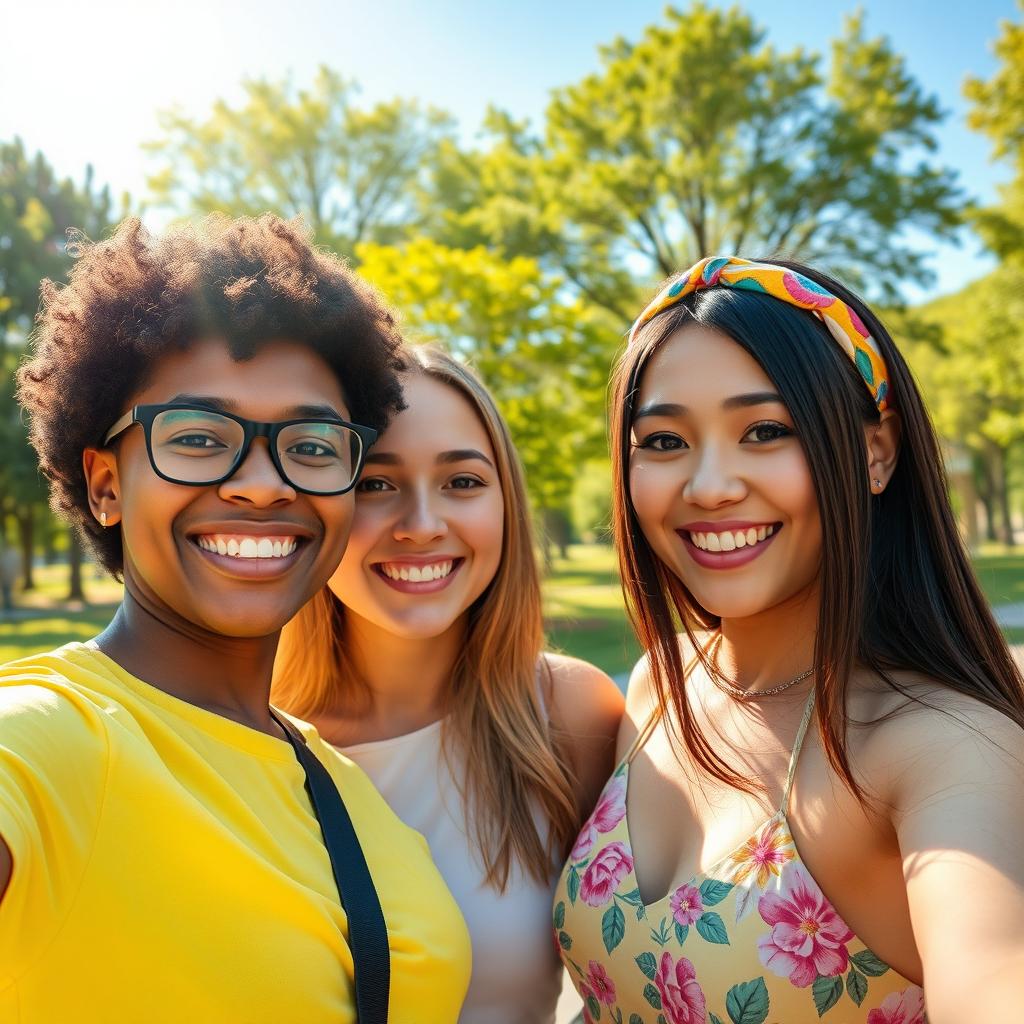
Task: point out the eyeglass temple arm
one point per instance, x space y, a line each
122 424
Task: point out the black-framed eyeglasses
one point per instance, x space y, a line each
190 444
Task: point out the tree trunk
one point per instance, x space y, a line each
1004 497
26 538
986 491
75 591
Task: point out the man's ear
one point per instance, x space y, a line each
103 486
883 445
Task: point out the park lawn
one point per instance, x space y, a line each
582 602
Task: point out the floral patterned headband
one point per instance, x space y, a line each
842 322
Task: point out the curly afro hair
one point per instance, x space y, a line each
134 296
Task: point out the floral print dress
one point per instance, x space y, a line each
751 941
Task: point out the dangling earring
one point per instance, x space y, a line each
103 519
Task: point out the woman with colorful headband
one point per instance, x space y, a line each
823 766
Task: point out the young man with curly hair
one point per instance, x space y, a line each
200 403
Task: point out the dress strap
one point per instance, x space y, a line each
795 756
644 734
653 719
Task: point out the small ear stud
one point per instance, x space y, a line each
878 485
103 519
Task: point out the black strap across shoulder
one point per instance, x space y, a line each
367 930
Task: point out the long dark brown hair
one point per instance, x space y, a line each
897 588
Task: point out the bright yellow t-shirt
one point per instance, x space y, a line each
168 866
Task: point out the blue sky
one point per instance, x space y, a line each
83 82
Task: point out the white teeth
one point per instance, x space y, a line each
416 573
249 547
732 540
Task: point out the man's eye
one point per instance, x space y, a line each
663 443
763 433
311 449
198 441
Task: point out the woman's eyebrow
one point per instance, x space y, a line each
382 458
660 409
462 455
753 398
734 402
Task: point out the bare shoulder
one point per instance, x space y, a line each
582 699
934 741
585 706
642 692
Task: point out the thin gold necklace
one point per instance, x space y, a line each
729 686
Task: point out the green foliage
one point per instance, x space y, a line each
998 111
38 210
352 173
545 355
700 138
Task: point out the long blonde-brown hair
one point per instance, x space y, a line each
494 715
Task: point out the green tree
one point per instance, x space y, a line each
544 355
973 380
307 152
700 138
998 111
37 209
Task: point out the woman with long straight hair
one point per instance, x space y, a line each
423 661
822 751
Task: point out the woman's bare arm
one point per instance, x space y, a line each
959 817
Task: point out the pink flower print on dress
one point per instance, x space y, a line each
604 873
600 984
763 855
610 810
808 938
906 1007
686 904
682 1000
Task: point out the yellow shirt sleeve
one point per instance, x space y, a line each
53 766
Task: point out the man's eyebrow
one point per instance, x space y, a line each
296 412
670 409
463 455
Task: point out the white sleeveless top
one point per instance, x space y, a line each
516 971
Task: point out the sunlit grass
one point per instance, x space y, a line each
583 606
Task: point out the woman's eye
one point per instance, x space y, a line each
373 485
663 443
465 483
762 433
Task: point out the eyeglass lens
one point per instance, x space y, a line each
195 446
